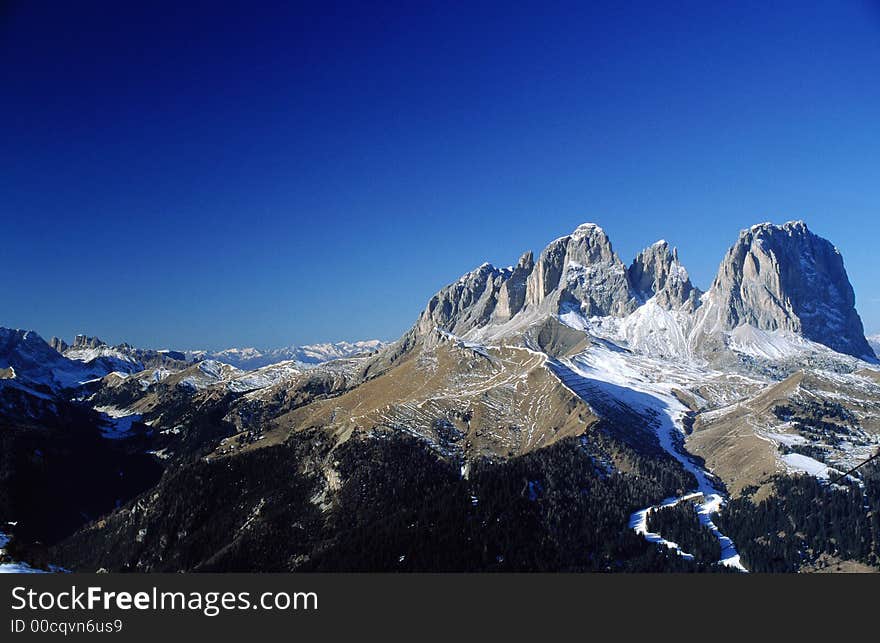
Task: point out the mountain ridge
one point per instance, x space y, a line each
767 280
26 359
86 348
249 358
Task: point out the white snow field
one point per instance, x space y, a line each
116 424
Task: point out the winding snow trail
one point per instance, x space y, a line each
608 380
638 522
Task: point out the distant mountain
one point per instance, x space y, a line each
874 341
252 358
27 360
123 358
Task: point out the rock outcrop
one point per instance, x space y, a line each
86 342
582 272
512 295
657 273
786 278
773 278
468 303
577 272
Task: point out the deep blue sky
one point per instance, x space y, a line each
256 175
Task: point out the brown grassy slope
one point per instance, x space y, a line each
726 438
499 402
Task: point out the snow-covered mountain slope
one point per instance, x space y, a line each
105 359
651 329
201 376
122 358
208 373
26 360
874 341
815 421
253 358
654 331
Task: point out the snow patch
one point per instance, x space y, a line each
804 464
116 423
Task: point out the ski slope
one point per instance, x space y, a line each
608 378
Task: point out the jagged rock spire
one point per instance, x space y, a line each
577 272
657 273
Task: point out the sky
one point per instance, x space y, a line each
269 174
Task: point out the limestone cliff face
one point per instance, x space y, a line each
468 303
786 278
581 272
577 272
512 295
657 273
773 278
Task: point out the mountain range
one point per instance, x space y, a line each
571 412
775 279
89 358
251 358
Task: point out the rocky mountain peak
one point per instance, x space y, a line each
465 304
775 277
85 341
590 243
657 273
582 272
787 278
579 272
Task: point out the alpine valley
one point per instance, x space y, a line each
568 413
